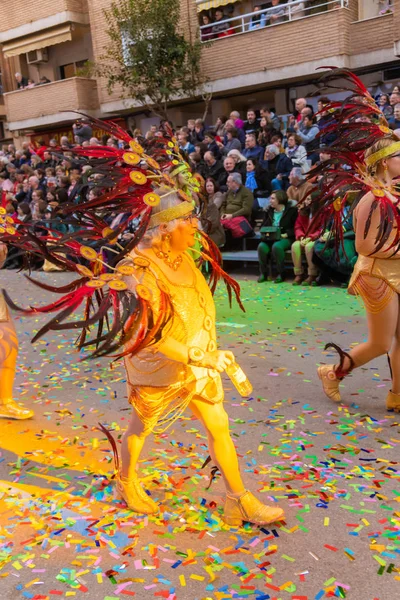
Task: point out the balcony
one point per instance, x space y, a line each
53 23
51 103
268 17
16 21
253 49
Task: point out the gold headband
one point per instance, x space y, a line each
175 212
384 153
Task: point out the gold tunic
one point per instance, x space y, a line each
161 388
376 275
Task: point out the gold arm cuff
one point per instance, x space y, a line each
385 152
165 216
195 355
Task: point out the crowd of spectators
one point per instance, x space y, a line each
25 83
257 178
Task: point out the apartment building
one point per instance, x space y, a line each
257 61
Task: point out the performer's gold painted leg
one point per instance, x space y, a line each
240 504
220 444
128 483
382 327
8 358
393 398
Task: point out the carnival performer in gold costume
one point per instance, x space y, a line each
8 357
370 152
163 313
183 368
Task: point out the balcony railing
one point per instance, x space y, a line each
269 17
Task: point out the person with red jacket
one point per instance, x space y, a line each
304 244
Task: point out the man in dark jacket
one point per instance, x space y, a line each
82 131
252 149
282 217
252 125
209 139
213 168
278 166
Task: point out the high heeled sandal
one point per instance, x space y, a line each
9 409
393 402
130 489
331 376
248 508
135 497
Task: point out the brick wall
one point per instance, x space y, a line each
69 94
372 34
100 40
317 37
280 46
13 13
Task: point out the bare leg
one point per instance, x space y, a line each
8 359
395 356
132 444
223 452
128 484
382 328
240 504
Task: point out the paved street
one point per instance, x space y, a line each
334 468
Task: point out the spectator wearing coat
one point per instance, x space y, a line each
82 131
299 187
212 146
281 216
278 166
252 149
297 152
232 141
213 168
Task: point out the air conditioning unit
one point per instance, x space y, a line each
37 56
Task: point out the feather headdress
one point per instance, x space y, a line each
132 180
349 169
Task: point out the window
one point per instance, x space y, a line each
69 70
128 42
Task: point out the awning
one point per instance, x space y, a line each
57 35
207 4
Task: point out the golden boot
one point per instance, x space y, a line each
393 402
135 496
248 508
330 382
331 375
9 409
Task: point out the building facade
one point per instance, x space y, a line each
256 61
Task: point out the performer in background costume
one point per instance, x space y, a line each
8 357
366 160
158 305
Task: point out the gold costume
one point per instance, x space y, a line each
173 384
376 275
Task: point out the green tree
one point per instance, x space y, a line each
149 56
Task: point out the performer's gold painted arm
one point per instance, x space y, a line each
174 350
366 245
